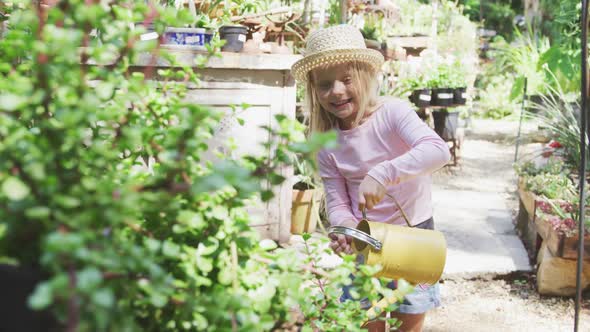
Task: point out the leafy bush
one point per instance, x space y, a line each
493 97
105 191
497 14
521 57
415 18
559 114
553 166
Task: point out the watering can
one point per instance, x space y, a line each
414 254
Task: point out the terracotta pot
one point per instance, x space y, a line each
305 210
373 44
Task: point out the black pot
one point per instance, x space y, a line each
460 96
235 37
442 97
421 98
445 124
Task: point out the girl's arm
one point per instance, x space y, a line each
428 152
337 199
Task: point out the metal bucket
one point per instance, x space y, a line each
414 254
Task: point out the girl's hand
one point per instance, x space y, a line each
371 192
342 243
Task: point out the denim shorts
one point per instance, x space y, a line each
422 299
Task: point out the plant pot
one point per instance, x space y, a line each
445 124
442 97
421 97
187 38
460 96
305 210
234 36
373 44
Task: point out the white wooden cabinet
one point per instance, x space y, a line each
263 82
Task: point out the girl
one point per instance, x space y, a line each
384 148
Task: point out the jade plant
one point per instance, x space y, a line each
104 190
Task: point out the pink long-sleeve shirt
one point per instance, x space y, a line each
396 148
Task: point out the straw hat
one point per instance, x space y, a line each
335 45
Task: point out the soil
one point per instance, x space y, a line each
500 302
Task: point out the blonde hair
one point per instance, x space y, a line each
364 80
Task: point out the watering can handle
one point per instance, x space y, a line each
355 233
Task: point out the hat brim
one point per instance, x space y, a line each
302 67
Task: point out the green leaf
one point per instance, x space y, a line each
191 219
280 117
15 189
68 202
199 321
11 102
170 249
41 297
276 179
268 244
404 287
105 90
89 278
38 212
207 247
266 195
306 236
152 245
224 277
204 264
158 300
103 297
517 88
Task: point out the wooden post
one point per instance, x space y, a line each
532 12
434 26
343 11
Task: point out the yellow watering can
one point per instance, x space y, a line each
414 254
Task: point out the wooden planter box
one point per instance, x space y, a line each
527 198
555 253
557 243
526 219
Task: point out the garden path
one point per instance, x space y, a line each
472 204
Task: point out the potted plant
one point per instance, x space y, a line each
194 36
458 83
307 197
420 96
372 31
439 82
234 36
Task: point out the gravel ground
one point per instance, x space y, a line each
505 302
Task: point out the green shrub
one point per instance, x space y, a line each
494 97
104 189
